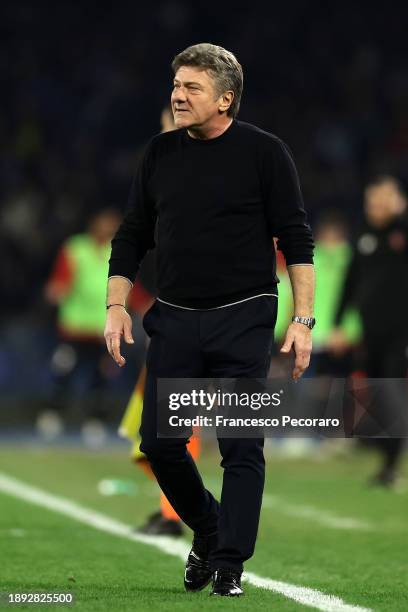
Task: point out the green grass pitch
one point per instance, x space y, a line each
365 563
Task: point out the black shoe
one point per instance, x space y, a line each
151 520
386 478
227 583
157 525
198 573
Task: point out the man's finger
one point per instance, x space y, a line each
301 363
128 333
110 349
287 345
115 343
302 358
298 370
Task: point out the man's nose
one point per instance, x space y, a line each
179 95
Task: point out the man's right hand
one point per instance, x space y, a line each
118 324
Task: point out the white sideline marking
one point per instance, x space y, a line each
323 517
303 595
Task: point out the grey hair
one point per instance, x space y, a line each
222 65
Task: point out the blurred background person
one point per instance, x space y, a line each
333 253
76 287
377 286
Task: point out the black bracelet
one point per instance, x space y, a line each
110 306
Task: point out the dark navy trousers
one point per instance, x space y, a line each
230 342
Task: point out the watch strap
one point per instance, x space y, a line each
308 321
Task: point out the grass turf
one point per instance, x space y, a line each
54 553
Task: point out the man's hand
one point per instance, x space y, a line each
118 324
299 337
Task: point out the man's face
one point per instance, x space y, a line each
194 100
383 203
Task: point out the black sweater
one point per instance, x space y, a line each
218 204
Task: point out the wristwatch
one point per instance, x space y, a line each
309 321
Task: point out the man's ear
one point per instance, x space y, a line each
225 101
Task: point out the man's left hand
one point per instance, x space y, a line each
298 337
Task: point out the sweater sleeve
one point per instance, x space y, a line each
284 204
135 236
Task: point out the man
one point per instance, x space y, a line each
377 286
220 191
